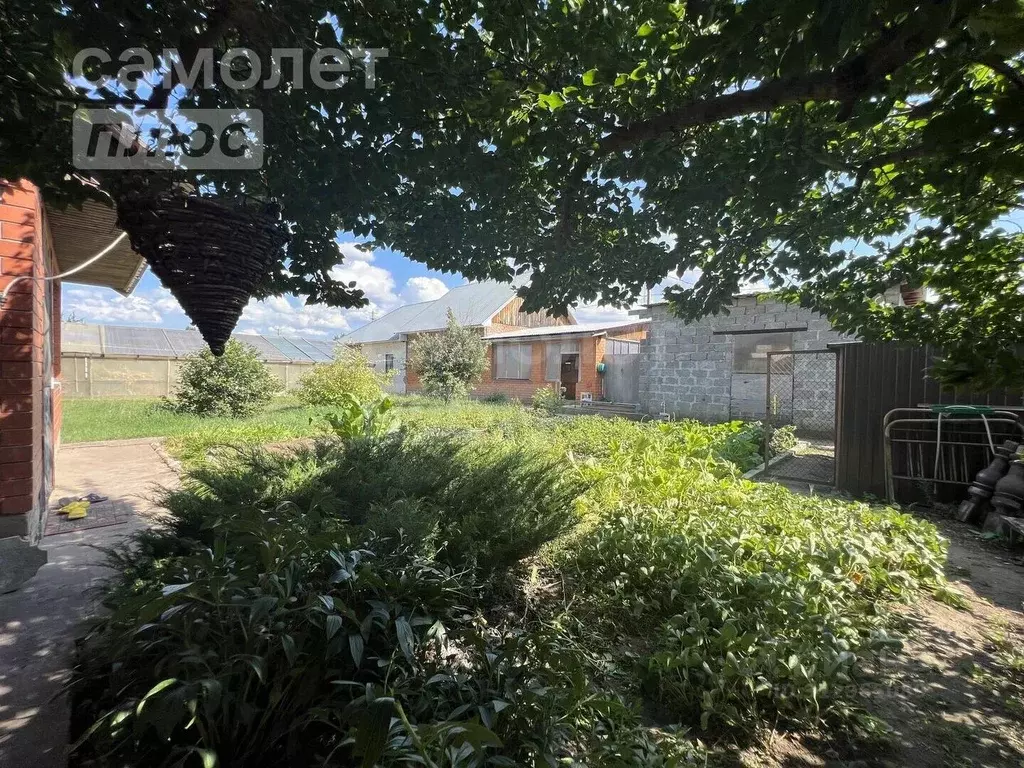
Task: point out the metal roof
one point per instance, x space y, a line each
79 235
580 329
473 304
120 341
387 326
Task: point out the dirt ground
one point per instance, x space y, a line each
954 696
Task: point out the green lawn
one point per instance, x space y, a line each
117 419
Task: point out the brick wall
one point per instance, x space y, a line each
687 367
592 350
26 434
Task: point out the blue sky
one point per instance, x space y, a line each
388 278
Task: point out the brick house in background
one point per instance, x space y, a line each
38 242
528 350
524 360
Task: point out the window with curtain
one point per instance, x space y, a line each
389 363
512 361
553 352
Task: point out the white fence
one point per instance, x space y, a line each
143 377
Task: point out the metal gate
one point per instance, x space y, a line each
800 397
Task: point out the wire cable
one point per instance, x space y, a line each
6 291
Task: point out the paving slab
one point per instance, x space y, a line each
40 622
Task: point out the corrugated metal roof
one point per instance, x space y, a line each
121 341
472 304
79 235
580 329
386 326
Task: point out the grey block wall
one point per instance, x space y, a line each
687 367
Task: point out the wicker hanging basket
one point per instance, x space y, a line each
211 254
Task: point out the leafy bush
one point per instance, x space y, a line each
235 384
496 398
481 506
449 363
350 373
357 419
547 399
265 635
759 603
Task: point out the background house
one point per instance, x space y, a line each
567 357
489 306
37 242
528 350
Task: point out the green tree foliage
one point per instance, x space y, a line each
449 363
350 373
831 148
235 384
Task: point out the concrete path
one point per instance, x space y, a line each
40 622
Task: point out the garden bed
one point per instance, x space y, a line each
496 587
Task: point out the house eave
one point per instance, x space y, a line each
79 234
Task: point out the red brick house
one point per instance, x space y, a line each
528 350
38 242
562 357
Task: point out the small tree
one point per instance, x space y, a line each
449 363
235 384
350 373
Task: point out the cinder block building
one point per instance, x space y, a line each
717 368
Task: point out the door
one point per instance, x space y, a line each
570 375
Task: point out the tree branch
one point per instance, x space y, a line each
846 83
1004 68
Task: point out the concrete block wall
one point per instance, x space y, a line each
29 428
687 367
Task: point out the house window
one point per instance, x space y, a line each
512 361
622 347
389 363
553 352
750 352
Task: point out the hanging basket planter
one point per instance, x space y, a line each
211 254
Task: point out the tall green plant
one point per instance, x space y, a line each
235 384
449 363
350 373
356 419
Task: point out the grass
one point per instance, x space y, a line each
116 419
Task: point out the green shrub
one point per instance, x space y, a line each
488 505
350 373
266 635
547 399
235 384
357 419
496 398
448 363
755 604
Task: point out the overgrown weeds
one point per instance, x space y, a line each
353 602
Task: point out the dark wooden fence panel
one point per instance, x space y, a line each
873 379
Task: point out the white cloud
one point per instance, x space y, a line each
277 315
102 305
593 313
289 316
423 289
